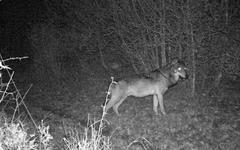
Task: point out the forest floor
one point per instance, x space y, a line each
200 123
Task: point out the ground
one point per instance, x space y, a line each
202 122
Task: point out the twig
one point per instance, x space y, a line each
15 58
20 96
4 66
104 107
141 140
5 91
2 61
22 102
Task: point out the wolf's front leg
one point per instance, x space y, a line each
160 100
155 104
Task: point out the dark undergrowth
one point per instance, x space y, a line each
202 122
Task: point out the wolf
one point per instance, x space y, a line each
155 83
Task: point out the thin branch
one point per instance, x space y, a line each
18 92
15 58
5 91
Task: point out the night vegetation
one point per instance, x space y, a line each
75 47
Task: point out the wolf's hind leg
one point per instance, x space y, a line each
115 107
114 99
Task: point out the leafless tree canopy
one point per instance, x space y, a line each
141 34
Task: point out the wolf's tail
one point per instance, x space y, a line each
111 86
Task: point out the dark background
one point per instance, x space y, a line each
75 46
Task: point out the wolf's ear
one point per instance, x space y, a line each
175 61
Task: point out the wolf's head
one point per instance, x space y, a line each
179 69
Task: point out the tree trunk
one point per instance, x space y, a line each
193 50
163 43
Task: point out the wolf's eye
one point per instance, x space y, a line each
179 69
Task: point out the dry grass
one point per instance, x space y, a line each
14 134
92 138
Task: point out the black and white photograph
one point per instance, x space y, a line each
119 75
